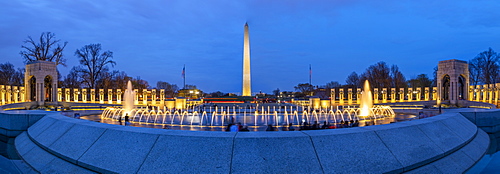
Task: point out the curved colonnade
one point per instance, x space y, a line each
59 144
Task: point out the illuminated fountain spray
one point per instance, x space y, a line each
366 104
220 116
128 99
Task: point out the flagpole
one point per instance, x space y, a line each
310 75
184 75
310 79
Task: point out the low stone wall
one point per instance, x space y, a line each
14 123
58 144
489 120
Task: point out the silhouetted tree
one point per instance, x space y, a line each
215 94
397 78
138 83
484 68
10 76
170 89
304 88
93 63
72 80
120 79
276 92
332 84
434 74
420 81
352 80
378 75
47 49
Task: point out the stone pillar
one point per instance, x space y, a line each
67 94
410 94
434 93
418 94
22 92
101 96
485 92
153 96
384 95
477 92
401 94
349 96
76 94
2 93
136 98
162 97
110 96
59 95
9 94
496 90
84 95
471 93
393 95
341 96
358 96
118 96
490 93
16 94
92 95
375 95
426 94
144 96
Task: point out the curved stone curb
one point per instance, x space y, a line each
394 148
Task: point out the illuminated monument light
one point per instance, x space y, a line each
247 87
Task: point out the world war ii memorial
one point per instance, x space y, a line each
452 126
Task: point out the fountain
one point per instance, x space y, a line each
213 116
128 99
366 105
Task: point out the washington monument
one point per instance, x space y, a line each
247 87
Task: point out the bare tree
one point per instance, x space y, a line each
120 79
484 68
10 76
422 80
138 83
276 92
397 78
434 74
352 80
72 80
304 88
93 63
47 49
378 75
170 89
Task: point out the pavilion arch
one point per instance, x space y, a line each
41 78
445 87
31 92
48 88
453 80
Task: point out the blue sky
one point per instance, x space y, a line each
154 39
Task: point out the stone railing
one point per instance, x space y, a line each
448 143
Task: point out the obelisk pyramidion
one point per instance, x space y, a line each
247 87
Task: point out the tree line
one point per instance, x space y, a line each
94 72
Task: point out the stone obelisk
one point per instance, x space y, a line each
247 87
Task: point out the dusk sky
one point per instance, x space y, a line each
154 39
